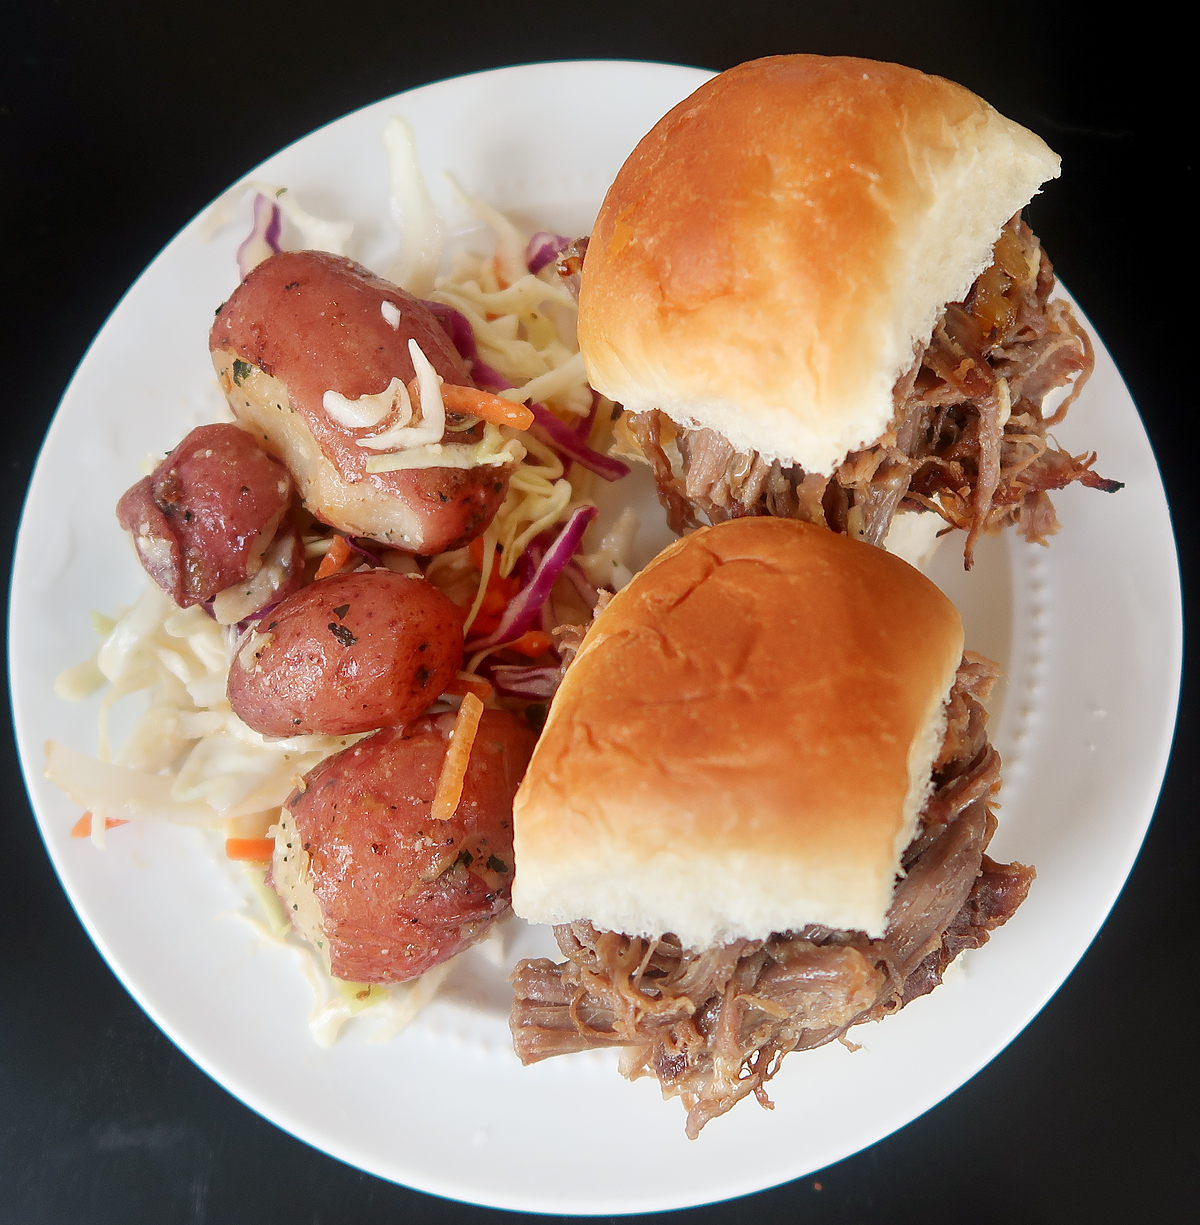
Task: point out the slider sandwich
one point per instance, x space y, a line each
812 290
758 813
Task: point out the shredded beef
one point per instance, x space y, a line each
713 1025
968 440
570 265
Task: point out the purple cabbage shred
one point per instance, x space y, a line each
263 239
524 607
456 326
544 248
525 680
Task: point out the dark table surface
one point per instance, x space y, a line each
119 121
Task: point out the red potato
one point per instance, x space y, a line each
202 521
347 654
381 888
306 322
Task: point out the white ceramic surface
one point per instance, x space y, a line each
1089 631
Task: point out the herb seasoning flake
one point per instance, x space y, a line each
342 634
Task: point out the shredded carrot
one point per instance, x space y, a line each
336 558
495 409
83 827
466 682
491 609
497 594
256 850
458 755
475 549
532 643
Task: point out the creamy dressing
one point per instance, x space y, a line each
368 410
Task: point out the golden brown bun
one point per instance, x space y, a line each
743 743
771 252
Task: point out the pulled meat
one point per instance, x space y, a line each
570 266
968 439
713 1025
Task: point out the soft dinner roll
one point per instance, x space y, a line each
778 246
743 743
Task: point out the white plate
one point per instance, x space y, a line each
1089 629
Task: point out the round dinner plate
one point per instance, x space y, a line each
1089 631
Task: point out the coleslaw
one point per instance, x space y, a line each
188 758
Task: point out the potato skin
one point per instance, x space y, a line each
400 892
347 654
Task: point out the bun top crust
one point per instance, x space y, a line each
743 743
772 251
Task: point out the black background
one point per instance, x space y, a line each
119 121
